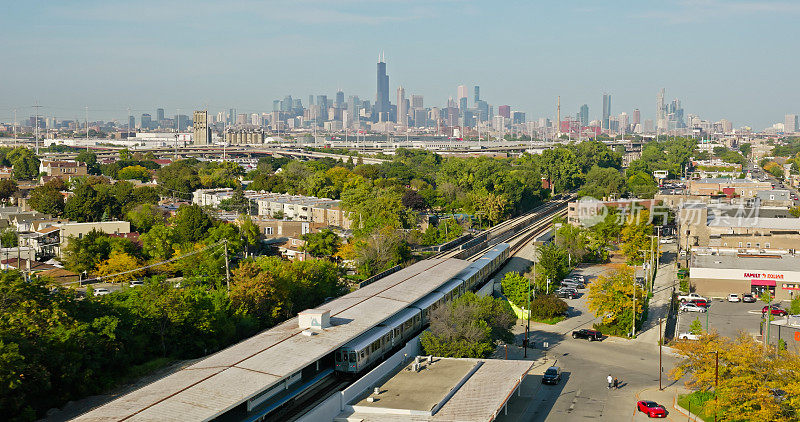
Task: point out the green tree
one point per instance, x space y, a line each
25 163
46 199
145 216
134 173
551 264
87 204
157 242
9 238
468 327
323 244
642 185
191 223
517 289
8 187
603 182
696 327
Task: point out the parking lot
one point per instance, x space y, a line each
725 317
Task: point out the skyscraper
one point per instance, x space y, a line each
504 111
381 111
339 101
637 117
583 115
661 111
201 136
402 111
462 92
159 114
790 122
417 101
477 94
606 109
146 121
131 123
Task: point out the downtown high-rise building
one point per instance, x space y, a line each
381 110
505 111
201 133
636 118
661 111
402 108
583 115
790 123
146 121
159 114
606 110
477 94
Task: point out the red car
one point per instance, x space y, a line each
651 409
775 311
701 302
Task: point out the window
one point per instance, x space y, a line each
758 245
268 230
740 244
352 356
766 245
749 244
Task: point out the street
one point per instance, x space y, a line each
583 391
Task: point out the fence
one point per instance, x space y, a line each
379 276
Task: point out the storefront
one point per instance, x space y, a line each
721 275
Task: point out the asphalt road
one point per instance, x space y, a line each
583 393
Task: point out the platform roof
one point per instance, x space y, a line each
227 378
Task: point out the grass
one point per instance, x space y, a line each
697 400
550 321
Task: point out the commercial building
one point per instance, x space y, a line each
589 212
724 186
720 274
738 227
202 134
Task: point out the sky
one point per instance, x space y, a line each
723 59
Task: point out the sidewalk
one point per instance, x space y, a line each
666 279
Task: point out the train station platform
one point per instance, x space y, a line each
446 389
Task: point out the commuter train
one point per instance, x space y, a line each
377 342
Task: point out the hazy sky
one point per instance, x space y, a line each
723 59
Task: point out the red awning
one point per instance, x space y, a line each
770 283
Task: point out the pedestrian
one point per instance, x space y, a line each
616 383
610 380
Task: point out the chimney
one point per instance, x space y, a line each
316 319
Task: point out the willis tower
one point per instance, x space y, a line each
381 111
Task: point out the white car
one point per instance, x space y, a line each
689 336
734 298
691 307
667 240
136 283
101 291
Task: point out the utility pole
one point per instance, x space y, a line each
227 268
633 314
716 381
660 345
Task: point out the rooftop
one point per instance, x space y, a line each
223 380
446 390
781 262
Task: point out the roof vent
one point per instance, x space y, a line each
316 319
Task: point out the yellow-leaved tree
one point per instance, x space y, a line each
611 298
118 262
753 383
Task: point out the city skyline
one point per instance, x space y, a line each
110 57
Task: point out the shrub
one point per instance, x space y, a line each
547 306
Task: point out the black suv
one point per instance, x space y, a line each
552 375
591 335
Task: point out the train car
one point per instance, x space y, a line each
428 304
370 347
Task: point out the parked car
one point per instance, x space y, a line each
552 375
651 409
690 297
667 240
574 284
701 302
777 311
101 291
691 307
733 298
566 294
689 336
591 335
579 277
748 298
136 283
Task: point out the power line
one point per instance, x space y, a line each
146 267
